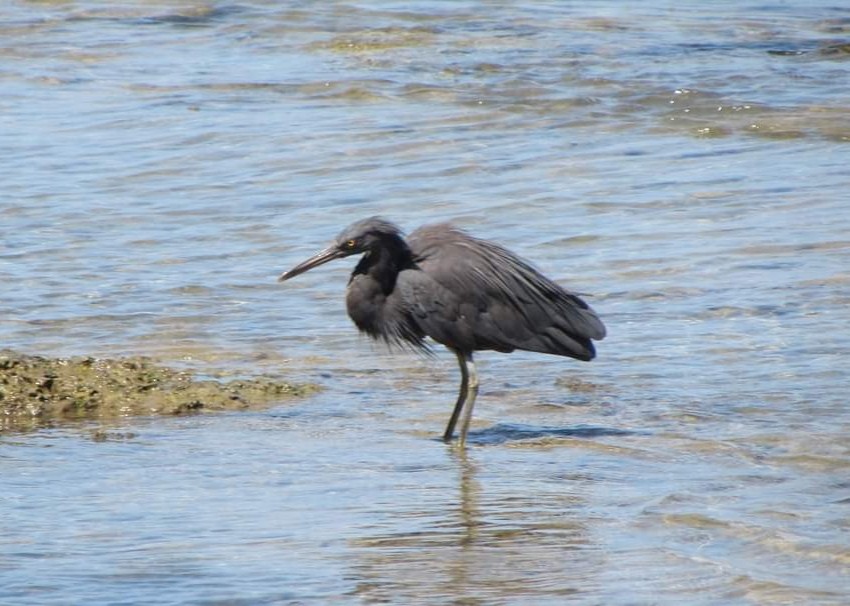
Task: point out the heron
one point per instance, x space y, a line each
463 292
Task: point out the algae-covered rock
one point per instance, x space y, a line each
35 390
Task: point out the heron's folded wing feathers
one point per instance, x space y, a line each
481 294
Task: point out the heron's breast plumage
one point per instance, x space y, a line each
381 315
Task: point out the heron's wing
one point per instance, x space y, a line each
481 296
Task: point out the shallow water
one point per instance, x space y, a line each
685 164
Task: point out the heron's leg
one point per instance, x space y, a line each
465 399
472 393
461 397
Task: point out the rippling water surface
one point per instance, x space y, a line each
686 163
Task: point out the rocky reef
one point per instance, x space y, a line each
37 391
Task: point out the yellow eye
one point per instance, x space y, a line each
351 244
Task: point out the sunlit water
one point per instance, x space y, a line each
684 163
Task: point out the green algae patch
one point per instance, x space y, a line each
378 40
36 390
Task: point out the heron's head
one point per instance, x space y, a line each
359 237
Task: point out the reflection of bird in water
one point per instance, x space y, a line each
465 293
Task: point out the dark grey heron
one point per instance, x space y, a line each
465 293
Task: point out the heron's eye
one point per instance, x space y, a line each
351 244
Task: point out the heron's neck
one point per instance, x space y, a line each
383 263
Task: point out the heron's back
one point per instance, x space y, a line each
471 294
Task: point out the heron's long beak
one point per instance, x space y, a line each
320 258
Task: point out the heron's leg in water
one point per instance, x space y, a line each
461 397
472 393
465 399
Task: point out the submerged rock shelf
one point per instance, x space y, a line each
37 390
